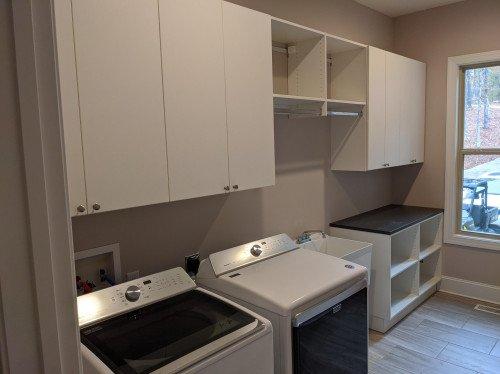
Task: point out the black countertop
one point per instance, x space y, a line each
388 219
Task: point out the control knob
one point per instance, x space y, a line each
133 293
256 250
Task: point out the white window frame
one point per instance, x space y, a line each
452 234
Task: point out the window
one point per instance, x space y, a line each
479 151
473 151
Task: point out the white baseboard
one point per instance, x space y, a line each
474 290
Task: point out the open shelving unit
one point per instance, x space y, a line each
315 73
406 268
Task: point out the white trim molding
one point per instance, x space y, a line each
474 290
49 218
451 233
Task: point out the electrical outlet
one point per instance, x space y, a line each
132 275
192 263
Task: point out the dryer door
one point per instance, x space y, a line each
335 340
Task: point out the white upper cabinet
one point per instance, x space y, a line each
249 97
119 71
195 97
377 108
412 130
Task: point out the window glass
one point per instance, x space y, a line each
482 108
481 194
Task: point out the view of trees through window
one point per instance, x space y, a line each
481 150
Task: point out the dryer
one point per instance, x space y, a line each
316 303
164 324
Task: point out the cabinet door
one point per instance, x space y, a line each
419 75
394 71
412 112
376 108
249 88
195 97
121 102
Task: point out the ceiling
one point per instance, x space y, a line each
395 8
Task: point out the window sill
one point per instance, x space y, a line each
472 241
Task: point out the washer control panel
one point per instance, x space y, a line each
127 296
243 255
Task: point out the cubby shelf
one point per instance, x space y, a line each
428 283
399 267
429 251
401 300
334 105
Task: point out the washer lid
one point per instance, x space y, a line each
285 282
168 334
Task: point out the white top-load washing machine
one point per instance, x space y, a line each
316 303
164 324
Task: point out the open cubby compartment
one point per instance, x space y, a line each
347 74
299 56
404 250
430 271
431 235
404 289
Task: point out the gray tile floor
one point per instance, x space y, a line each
443 335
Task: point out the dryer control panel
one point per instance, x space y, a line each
246 254
124 297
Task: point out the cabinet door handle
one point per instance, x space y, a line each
96 206
80 208
226 188
235 187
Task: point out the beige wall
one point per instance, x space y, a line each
16 281
432 36
306 196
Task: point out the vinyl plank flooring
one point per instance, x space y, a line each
483 327
450 334
379 367
442 316
496 350
443 335
415 342
419 363
470 359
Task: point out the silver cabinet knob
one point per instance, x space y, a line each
226 188
235 187
256 250
80 208
133 293
96 206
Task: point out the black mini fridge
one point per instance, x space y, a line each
334 341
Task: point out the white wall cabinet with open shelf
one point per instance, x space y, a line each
392 134
406 268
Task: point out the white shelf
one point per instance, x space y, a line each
428 283
401 300
426 252
336 44
288 32
334 105
399 267
289 104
